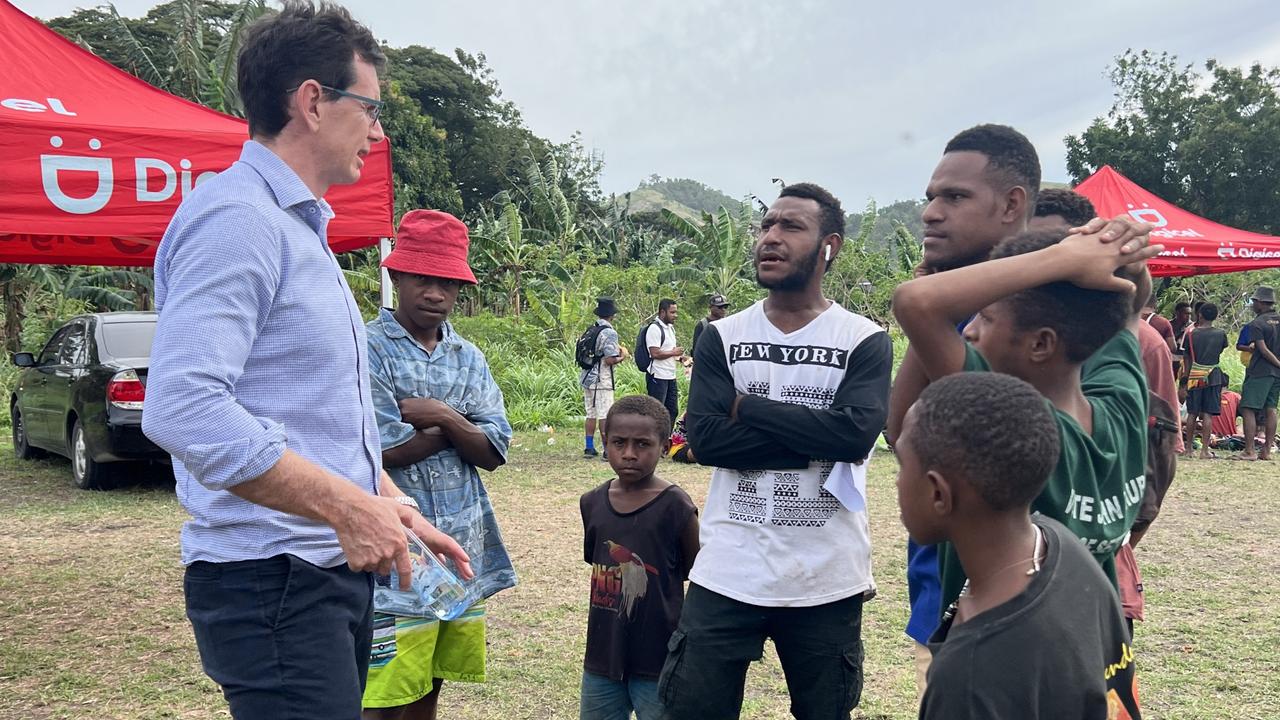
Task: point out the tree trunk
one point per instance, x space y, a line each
13 316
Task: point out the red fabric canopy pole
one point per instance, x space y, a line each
1192 244
94 161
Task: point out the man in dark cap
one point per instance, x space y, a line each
717 307
1262 378
597 380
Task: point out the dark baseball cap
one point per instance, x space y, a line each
718 300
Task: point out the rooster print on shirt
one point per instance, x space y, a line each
618 587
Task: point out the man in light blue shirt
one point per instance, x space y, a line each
597 380
258 387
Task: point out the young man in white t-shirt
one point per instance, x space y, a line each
788 393
660 339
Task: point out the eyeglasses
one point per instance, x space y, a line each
372 108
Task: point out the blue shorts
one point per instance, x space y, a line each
605 699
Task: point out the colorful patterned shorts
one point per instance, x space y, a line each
409 653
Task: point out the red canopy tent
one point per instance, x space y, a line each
94 161
1192 245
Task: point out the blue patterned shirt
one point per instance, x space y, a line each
259 347
447 488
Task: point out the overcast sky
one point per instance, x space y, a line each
861 100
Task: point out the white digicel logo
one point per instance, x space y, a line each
1149 215
51 165
1154 217
145 169
32 106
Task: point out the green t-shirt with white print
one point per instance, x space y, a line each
1097 486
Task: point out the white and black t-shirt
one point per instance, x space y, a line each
663 337
771 535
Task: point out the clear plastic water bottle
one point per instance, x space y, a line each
434 591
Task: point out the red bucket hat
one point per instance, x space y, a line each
432 243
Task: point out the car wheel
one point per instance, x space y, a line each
88 474
21 446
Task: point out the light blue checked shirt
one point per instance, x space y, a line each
259 347
447 488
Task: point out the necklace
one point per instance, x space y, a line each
1037 549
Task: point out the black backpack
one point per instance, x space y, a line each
585 351
643 361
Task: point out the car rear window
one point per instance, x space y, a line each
128 339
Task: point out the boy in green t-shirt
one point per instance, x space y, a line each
1056 313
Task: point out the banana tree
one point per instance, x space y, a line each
20 283
551 218
716 254
188 67
37 298
504 255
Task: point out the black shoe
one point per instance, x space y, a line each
604 455
589 452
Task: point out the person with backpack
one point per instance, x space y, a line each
597 351
656 355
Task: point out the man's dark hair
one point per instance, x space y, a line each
1011 158
1075 208
1209 311
665 303
831 217
644 406
1083 319
1182 306
285 49
994 430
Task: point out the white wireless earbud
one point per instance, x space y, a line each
828 251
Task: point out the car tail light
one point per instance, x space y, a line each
126 391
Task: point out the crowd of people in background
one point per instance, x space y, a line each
1034 421
1213 416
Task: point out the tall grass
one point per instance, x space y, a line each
542 389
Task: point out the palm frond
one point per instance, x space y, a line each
107 297
139 57
224 58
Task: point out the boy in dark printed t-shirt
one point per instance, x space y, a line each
1038 633
640 536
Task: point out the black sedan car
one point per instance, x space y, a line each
82 396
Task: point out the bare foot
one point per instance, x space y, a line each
1243 456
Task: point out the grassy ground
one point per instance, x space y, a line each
92 625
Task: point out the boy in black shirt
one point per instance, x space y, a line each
1202 376
1038 631
640 538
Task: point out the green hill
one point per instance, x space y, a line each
685 193
648 202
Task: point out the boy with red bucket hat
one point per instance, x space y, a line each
440 416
